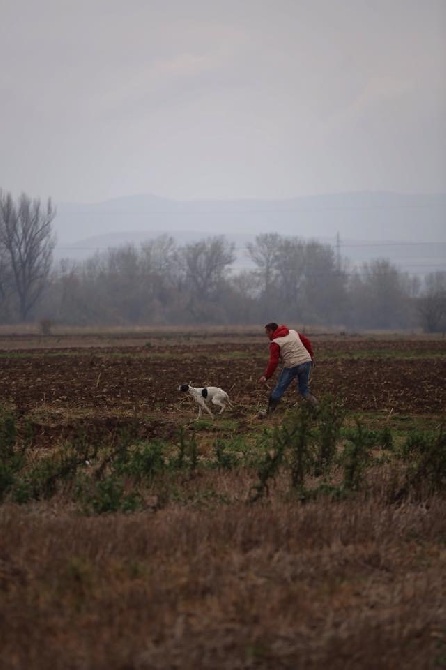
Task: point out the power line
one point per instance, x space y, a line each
432 268
245 247
390 244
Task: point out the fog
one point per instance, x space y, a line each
272 99
320 118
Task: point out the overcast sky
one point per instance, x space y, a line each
221 98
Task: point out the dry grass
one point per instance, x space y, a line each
357 584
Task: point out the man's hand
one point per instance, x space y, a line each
262 379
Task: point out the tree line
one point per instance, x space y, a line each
161 282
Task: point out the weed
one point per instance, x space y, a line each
331 417
109 495
187 451
41 482
143 462
239 450
426 473
386 439
416 444
268 468
225 459
297 435
8 432
12 459
355 457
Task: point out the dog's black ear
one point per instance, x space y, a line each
204 393
183 387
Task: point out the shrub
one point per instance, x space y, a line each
330 419
109 495
355 457
142 462
426 472
11 459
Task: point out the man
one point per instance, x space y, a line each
296 353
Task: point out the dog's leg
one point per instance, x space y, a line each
202 406
219 403
207 409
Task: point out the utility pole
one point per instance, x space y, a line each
338 252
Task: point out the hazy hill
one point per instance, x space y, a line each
407 228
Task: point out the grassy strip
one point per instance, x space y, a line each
308 455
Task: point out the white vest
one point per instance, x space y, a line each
292 351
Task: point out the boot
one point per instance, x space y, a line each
272 404
314 402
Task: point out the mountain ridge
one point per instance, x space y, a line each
344 218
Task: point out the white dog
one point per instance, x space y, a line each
211 394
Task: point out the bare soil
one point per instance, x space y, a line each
97 386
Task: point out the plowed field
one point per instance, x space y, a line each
97 384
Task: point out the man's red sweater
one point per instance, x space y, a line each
274 349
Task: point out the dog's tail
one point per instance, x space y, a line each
229 401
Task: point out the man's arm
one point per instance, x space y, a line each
307 344
274 357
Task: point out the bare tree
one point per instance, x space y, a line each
206 264
380 296
324 293
299 279
264 252
432 302
5 278
27 244
205 267
292 274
